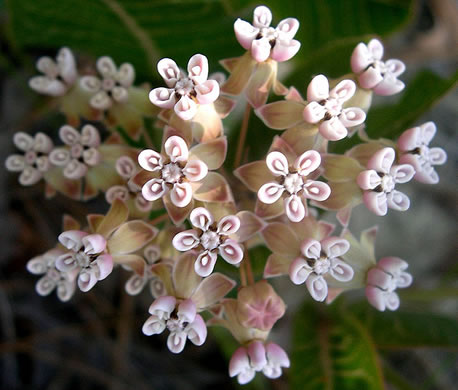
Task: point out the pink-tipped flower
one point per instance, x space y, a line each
264 41
58 75
373 73
293 183
210 239
321 258
257 357
413 143
326 108
382 281
379 181
185 93
174 172
180 318
34 162
112 87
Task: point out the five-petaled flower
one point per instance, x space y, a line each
413 143
319 259
326 107
382 281
211 238
185 93
373 73
293 180
379 181
268 42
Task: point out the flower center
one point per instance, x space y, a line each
76 150
210 240
388 183
293 183
171 173
322 266
30 157
82 259
175 325
108 84
333 106
380 66
268 32
184 86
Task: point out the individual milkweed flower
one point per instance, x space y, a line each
268 42
379 181
187 294
63 282
35 160
326 107
293 181
382 281
413 144
58 75
319 259
211 239
185 93
267 358
373 73
112 87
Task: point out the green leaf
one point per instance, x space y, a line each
332 351
404 330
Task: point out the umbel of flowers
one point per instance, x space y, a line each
178 204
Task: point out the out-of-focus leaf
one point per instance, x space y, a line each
403 330
332 351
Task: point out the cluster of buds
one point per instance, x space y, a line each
184 186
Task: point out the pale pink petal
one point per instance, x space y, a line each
135 284
382 160
368 180
201 218
125 167
257 354
437 156
288 27
361 58
75 170
392 264
45 286
343 91
398 201
402 173
186 240
395 67
120 94
150 160
90 136
307 162
311 248
390 85
341 271
318 89
370 78
392 301
72 239
163 306
231 251
228 225
186 108
23 141
245 33
92 157
42 143
270 192
352 116
154 189
260 49
154 325
333 129
43 164
106 67
335 246
90 84
375 48
377 277
412 138
198 68
69 135
126 75
262 16
30 176
207 92
66 262
299 271
186 311
104 265
205 263
101 101
239 363
176 341
427 132
376 297
65 290
317 286
163 97
314 112
403 280
195 170
277 163
169 71
94 243
376 202
87 279
294 208
37 266
15 163
316 190
181 194
60 157
47 86
176 148
197 331
423 173
285 50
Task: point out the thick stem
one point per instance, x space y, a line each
249 270
242 273
159 219
242 136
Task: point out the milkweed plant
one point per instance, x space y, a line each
179 208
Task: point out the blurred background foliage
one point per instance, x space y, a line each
95 340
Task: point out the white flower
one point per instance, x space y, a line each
112 87
264 41
293 180
34 162
184 93
58 76
321 259
379 181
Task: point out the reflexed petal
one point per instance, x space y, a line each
105 266
101 101
382 160
352 116
288 27
186 240
370 78
87 279
212 153
15 163
198 68
69 135
245 33
186 109
361 58
307 162
333 129
402 173
195 170
398 201
270 192
130 237
213 188
299 271
75 170
368 180
197 331
228 225
318 89
125 167
277 163
343 91
317 286
154 189
181 194
106 67
376 202
72 239
163 97
205 263
207 92
231 251
201 218
47 86
311 248
294 208
335 246
60 157
150 160
395 67
211 290
169 71
90 84
42 143
126 75
389 86
262 16
341 271
260 49
94 243
282 114
316 190
285 50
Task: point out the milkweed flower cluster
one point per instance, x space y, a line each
208 208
